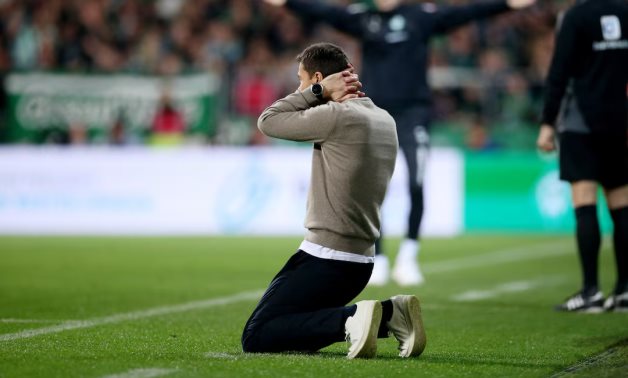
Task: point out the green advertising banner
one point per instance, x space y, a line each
519 192
38 102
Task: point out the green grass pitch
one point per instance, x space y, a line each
175 307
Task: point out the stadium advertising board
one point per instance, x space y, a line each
41 102
205 191
518 192
261 191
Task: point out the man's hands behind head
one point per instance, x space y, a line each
513 4
342 86
277 3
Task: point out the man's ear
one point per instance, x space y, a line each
318 77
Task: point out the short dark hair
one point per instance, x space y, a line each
324 57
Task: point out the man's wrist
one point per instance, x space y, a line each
318 90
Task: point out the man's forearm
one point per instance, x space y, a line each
555 87
460 15
553 99
336 16
315 9
560 71
294 118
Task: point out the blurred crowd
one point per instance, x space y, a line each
487 76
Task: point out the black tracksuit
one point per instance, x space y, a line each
590 68
395 44
395 48
586 100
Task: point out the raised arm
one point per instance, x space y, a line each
341 18
297 117
449 18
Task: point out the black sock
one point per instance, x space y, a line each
588 238
349 311
620 241
387 311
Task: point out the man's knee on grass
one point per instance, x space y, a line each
249 341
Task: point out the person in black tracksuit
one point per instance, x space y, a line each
586 103
395 46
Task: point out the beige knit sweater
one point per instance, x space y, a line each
355 147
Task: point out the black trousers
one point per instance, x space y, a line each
303 309
413 124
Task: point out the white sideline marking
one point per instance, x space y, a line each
529 252
509 287
591 362
142 373
135 315
13 320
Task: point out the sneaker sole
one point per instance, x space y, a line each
592 310
589 310
367 348
412 311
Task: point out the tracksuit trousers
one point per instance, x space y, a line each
304 308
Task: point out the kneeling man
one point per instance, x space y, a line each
354 152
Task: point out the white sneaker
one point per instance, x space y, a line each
407 272
407 326
361 329
381 271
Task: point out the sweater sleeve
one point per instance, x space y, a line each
298 117
561 68
449 18
344 19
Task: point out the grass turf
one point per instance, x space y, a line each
506 327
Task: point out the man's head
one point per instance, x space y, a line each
318 61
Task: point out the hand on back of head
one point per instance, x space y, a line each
343 85
513 4
277 3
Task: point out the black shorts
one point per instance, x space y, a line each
595 157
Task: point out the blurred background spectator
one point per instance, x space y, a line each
487 76
168 126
